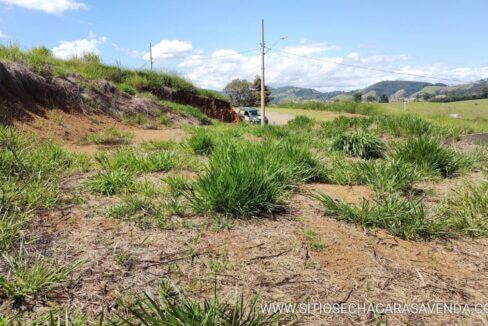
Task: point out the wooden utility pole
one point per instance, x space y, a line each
263 102
150 55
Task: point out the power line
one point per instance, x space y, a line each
368 68
208 57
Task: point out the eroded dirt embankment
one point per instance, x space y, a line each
25 94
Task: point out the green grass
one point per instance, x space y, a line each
132 160
431 155
473 115
188 111
467 211
401 217
30 173
179 309
28 277
109 136
202 142
244 179
141 210
349 107
359 144
110 182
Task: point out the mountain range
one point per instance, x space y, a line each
394 90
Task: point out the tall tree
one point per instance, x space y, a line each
357 97
256 85
384 98
240 92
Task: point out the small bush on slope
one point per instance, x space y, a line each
201 143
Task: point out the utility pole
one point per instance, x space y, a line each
150 55
263 113
404 105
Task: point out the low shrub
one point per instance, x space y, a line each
359 144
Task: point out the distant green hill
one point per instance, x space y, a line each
296 94
393 89
470 91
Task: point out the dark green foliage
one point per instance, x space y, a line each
359 144
401 217
429 154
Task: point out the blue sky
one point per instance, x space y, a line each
443 39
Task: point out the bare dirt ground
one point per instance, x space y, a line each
266 257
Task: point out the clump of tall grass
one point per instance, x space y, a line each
110 182
243 179
270 132
141 210
31 276
431 155
202 143
386 177
342 125
401 217
359 144
406 125
110 136
467 212
172 307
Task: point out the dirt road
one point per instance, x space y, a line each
276 118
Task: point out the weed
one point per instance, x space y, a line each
30 277
110 136
314 241
301 122
172 307
201 143
387 176
359 144
430 155
244 179
110 182
401 217
467 213
140 210
130 159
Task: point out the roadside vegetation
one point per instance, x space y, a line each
223 173
41 61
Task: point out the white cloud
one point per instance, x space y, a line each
306 49
56 7
3 35
216 69
131 53
77 48
169 49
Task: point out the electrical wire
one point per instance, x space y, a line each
368 68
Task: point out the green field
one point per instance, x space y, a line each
473 114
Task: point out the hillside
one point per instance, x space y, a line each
394 89
290 93
444 93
